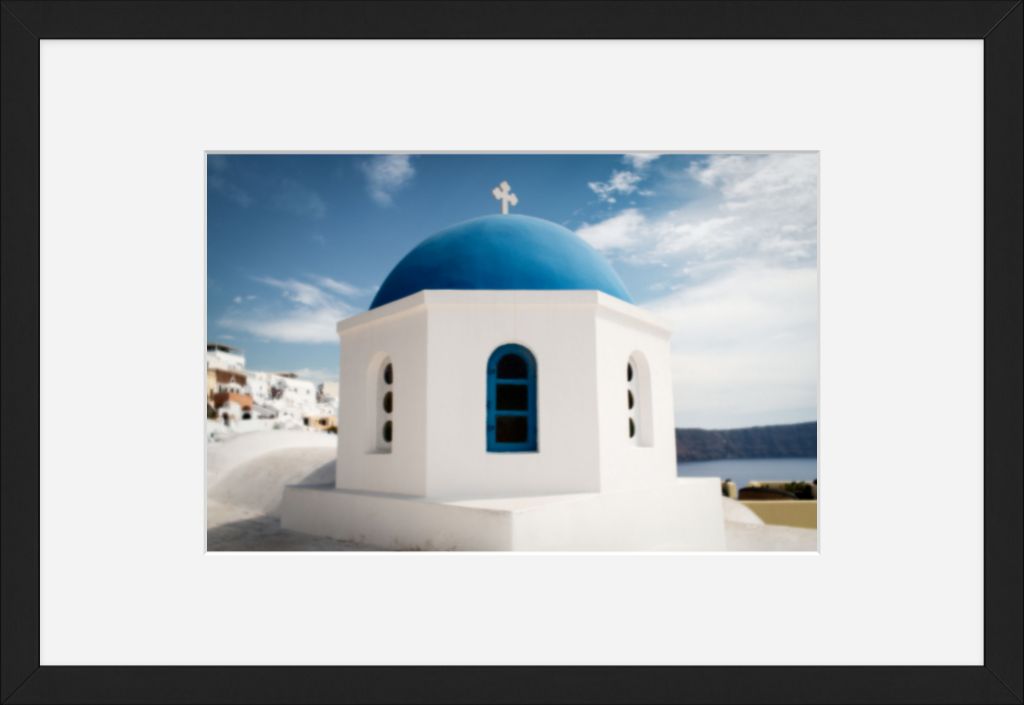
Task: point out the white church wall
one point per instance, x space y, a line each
394 523
685 514
464 329
625 332
398 332
588 486
439 343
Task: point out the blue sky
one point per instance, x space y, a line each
723 247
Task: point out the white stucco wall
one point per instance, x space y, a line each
624 332
259 386
295 392
367 341
298 397
464 329
684 515
439 343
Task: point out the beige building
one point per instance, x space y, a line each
227 394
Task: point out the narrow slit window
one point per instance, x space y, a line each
638 400
385 406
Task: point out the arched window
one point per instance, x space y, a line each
511 400
385 405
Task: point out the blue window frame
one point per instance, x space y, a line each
511 400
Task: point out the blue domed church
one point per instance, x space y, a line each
503 392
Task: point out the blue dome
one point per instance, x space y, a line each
501 252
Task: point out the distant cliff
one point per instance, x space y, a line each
798 440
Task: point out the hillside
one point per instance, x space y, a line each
799 440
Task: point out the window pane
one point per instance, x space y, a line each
388 402
512 366
513 397
629 397
386 432
389 374
632 428
629 372
510 429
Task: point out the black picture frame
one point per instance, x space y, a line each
998 23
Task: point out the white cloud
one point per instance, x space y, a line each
640 160
297 326
620 232
309 314
744 348
625 182
752 209
297 291
387 174
340 287
734 271
621 182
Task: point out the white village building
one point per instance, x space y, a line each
251 400
224 357
289 395
504 393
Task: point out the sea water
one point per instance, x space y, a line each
742 472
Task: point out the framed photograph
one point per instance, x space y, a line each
554 352
642 327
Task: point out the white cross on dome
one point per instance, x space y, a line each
503 193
